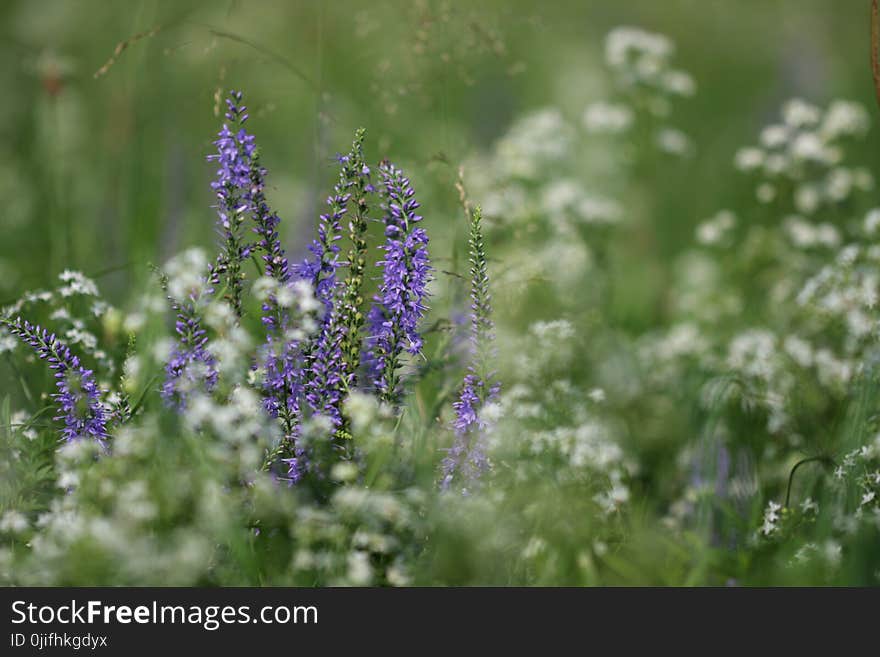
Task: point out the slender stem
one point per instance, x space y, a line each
823 459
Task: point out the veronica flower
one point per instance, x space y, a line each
326 376
356 176
191 365
78 396
467 457
399 305
279 357
235 151
281 388
322 376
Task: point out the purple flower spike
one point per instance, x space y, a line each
327 374
280 356
78 396
466 460
235 153
399 306
191 364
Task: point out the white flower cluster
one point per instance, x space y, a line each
755 359
803 157
861 468
240 423
186 274
716 230
359 540
536 141
771 518
75 311
643 58
297 297
640 63
846 291
566 204
665 354
547 423
75 282
608 118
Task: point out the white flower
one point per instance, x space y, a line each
13 522
872 222
360 572
771 518
809 506
77 283
552 332
716 228
809 146
807 199
84 338
799 350
162 349
68 480
491 413
560 195
749 159
776 164
831 370
674 142
533 142
305 295
623 44
765 193
806 235
798 113
361 408
186 274
774 136
220 316
134 322
607 118
844 119
597 210
263 287
612 499
839 184
535 547
679 83
344 471
7 342
754 354
832 552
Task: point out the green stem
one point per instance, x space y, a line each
823 459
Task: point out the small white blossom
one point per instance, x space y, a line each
607 118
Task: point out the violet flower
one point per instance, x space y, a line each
279 355
191 364
235 150
78 397
399 306
325 376
467 459
355 176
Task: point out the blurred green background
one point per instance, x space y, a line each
107 173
